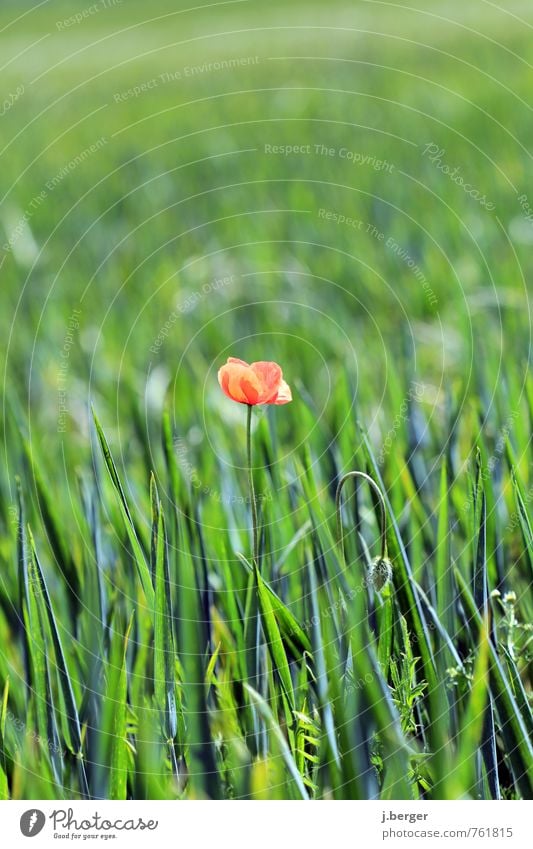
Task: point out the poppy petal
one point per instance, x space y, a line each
270 376
250 388
237 361
239 383
284 394
224 374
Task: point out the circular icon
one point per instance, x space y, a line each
32 822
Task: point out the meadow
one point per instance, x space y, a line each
341 188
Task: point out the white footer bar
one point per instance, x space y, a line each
267 825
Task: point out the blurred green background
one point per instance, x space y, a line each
344 188
181 192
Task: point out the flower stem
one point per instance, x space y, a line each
377 490
251 486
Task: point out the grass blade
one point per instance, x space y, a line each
140 560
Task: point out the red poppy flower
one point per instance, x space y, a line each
258 383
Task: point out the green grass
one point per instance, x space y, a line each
143 654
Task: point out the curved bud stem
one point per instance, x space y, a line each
377 490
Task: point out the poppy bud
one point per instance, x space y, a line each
380 573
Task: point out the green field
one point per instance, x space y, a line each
343 188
